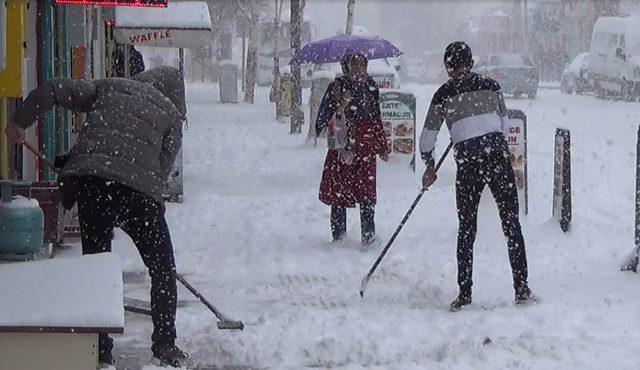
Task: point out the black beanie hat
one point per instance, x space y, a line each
458 55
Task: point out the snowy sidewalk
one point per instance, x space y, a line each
255 240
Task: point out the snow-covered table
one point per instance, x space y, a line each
51 312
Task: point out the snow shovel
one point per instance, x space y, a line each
224 322
631 262
363 286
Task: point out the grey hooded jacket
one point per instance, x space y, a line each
133 128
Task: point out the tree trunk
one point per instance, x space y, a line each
276 87
297 115
350 8
252 55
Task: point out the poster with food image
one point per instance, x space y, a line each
515 132
404 146
388 128
398 110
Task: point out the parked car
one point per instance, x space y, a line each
413 70
383 71
614 57
575 76
514 72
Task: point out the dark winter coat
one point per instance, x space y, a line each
342 184
133 129
472 106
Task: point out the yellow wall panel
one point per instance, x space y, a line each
12 78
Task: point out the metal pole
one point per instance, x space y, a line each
525 33
244 59
101 42
181 64
4 143
88 40
126 55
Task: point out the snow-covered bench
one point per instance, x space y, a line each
51 312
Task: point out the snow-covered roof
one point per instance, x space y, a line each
177 15
618 25
79 292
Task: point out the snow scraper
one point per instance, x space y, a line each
224 322
363 286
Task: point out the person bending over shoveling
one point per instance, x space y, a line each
474 109
117 171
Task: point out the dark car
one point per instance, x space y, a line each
575 76
514 72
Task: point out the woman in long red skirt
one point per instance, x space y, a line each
351 110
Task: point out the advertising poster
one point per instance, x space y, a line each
516 136
398 111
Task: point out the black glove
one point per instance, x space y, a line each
68 190
60 161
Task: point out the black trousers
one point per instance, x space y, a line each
485 161
103 204
367 223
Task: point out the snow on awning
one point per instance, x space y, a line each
184 24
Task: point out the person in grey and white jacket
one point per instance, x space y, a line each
474 110
117 171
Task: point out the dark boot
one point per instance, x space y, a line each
105 346
338 223
367 223
525 297
171 355
462 301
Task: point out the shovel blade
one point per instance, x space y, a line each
230 325
363 285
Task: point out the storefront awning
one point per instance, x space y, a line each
181 25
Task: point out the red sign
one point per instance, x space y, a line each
149 36
136 3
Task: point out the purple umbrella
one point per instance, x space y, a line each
334 48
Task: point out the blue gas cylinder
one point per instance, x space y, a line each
21 223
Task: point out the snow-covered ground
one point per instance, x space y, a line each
253 237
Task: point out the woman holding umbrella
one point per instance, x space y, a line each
351 110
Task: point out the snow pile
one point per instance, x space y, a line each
20 202
67 292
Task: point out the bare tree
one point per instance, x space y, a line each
252 51
351 4
297 115
276 89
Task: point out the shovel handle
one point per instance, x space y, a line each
40 156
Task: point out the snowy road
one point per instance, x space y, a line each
253 237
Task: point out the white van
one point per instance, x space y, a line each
614 57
